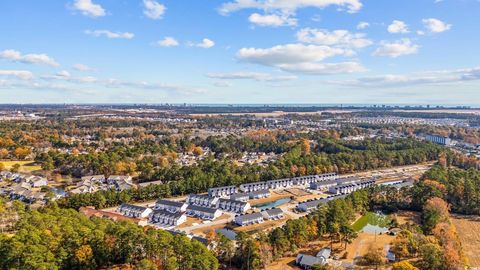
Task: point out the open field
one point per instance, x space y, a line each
468 229
26 166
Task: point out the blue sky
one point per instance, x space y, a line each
240 51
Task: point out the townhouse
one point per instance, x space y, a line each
170 206
134 211
163 217
203 212
232 206
249 219
222 191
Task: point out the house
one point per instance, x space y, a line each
242 197
273 214
134 211
170 206
222 191
202 200
254 186
164 217
311 205
323 185
349 187
259 194
249 219
280 183
324 254
233 206
203 212
38 182
307 261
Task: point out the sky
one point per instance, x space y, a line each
240 51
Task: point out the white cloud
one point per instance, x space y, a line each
221 84
337 37
153 10
110 34
63 74
363 25
206 44
431 77
20 74
397 48
82 67
300 58
273 20
16 56
436 26
398 27
244 75
88 8
168 42
288 6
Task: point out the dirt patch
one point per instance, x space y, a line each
468 229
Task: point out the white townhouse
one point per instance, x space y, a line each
273 214
134 211
280 183
202 200
259 194
203 212
242 197
233 206
254 186
249 219
170 206
163 217
222 191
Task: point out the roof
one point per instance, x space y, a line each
308 260
220 188
232 202
248 217
133 207
324 252
314 203
170 203
258 192
202 209
167 214
238 195
274 212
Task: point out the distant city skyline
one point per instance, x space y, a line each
240 52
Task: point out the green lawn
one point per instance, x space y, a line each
372 219
25 165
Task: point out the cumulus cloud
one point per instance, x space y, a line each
300 58
110 34
398 27
273 20
17 56
206 44
82 67
20 74
88 8
432 77
435 25
363 25
287 6
153 10
221 84
244 75
337 37
397 48
168 42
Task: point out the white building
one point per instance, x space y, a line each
259 194
170 206
254 186
439 139
249 219
134 211
233 206
163 217
202 200
203 212
222 191
273 214
242 197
